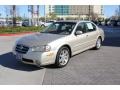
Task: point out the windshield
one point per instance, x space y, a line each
62 28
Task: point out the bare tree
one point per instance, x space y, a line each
94 16
116 12
116 15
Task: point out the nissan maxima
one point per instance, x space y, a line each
58 42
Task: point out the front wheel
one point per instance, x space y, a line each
62 57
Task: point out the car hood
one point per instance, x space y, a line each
38 39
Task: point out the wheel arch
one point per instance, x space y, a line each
100 38
68 46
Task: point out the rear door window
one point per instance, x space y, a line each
90 27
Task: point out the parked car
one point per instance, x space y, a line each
10 23
58 43
113 22
118 23
19 23
25 23
3 24
45 24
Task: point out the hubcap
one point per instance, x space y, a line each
63 57
98 43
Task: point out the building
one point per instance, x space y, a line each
49 9
74 11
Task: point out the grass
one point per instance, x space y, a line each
14 30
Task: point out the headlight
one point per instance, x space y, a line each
44 48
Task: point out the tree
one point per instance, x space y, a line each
52 16
101 19
19 18
42 19
94 16
69 18
113 17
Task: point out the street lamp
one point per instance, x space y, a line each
44 14
89 13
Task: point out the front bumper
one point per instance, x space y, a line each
37 58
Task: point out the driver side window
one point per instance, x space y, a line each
81 27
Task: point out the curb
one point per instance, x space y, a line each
16 34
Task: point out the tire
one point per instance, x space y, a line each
63 57
98 44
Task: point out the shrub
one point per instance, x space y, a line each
20 29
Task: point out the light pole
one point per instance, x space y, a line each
44 13
89 12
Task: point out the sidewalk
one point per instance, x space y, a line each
16 34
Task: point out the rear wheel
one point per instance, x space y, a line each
62 57
98 43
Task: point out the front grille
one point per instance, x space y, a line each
27 60
21 49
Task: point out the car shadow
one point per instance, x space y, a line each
8 60
112 41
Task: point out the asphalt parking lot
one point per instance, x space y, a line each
92 67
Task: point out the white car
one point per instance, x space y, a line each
3 24
58 43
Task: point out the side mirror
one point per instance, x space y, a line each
78 32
